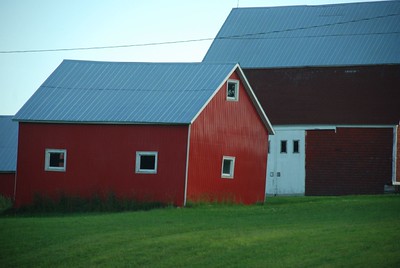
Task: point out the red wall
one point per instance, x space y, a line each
230 129
7 183
398 156
100 160
348 161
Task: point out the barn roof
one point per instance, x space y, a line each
128 92
297 36
8 144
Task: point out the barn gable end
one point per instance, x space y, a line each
234 130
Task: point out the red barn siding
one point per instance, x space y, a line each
348 161
101 159
398 156
7 183
230 129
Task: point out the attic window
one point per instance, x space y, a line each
232 90
146 162
55 159
228 167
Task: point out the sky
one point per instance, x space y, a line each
27 25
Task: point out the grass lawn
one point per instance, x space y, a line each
351 231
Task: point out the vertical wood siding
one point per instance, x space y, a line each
228 128
398 156
348 161
7 183
100 160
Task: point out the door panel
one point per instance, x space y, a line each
286 163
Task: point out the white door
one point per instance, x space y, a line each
286 163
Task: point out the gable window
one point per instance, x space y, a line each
55 159
146 162
296 146
283 147
232 90
228 167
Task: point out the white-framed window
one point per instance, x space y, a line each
146 162
55 160
228 167
232 90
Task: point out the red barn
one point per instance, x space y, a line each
329 77
8 155
169 132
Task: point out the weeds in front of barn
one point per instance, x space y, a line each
75 204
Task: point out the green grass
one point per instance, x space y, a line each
352 231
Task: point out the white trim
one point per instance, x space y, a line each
231 173
215 92
255 101
237 89
394 158
325 127
187 166
47 166
139 154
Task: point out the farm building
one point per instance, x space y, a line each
8 155
168 132
329 77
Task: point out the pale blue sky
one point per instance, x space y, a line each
53 24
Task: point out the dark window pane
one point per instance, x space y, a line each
283 146
226 169
231 90
147 162
56 160
296 147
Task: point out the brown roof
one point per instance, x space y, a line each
355 95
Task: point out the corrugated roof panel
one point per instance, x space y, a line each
343 34
8 144
85 91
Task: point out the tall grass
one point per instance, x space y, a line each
75 204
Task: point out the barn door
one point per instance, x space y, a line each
286 163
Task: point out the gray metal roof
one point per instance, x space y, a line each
125 92
8 144
298 36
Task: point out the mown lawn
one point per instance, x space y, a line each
352 231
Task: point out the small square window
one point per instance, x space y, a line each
283 147
296 146
228 167
232 90
146 162
55 160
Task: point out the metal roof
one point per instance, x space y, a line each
297 36
125 92
8 144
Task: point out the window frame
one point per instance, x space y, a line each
139 155
231 173
47 166
236 82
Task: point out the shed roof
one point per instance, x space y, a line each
298 36
125 92
8 144
129 92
